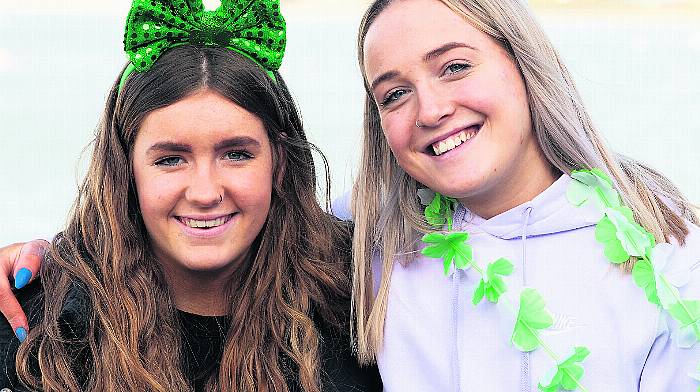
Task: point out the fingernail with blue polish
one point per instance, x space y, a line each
22 277
21 334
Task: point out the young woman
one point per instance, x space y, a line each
476 105
196 256
476 109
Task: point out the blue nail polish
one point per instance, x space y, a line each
21 334
22 277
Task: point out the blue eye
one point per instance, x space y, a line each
238 155
456 68
393 97
169 161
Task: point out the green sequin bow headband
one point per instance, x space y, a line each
253 28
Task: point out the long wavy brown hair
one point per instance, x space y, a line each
103 261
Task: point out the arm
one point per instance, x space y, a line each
22 262
668 367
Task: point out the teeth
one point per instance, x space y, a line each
204 223
451 142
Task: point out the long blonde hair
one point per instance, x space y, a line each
385 207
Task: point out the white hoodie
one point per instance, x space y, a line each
436 340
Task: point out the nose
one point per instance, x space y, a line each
434 105
205 189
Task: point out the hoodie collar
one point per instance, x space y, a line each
549 212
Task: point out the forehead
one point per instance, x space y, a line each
412 28
204 114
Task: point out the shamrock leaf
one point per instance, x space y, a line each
565 375
621 236
425 195
644 276
492 285
668 277
696 375
592 185
687 313
439 211
450 247
532 317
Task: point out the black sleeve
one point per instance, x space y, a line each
30 298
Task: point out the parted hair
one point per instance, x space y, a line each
298 271
385 208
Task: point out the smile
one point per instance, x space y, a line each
205 223
455 140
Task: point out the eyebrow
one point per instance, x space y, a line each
383 78
239 141
428 57
445 48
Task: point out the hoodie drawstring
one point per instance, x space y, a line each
525 378
455 331
456 281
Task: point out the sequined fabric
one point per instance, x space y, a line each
254 28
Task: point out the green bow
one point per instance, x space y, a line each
253 28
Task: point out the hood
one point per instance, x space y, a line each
548 213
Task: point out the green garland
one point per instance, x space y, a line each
621 238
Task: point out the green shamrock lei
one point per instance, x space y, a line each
621 238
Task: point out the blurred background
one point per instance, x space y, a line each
635 62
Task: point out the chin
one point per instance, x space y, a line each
459 187
199 263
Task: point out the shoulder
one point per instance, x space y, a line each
341 206
72 324
340 370
31 299
685 259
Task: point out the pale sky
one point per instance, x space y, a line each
87 6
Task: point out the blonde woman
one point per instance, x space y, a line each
468 100
516 288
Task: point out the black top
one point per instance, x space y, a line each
202 339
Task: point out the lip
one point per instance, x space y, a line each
429 146
206 233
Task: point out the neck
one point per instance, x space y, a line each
515 189
200 292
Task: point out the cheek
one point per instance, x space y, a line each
514 94
397 130
479 95
252 191
155 196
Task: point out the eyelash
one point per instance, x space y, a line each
462 67
162 161
242 155
391 97
449 70
235 156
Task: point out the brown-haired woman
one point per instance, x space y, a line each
196 256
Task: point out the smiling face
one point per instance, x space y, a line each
453 107
203 171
